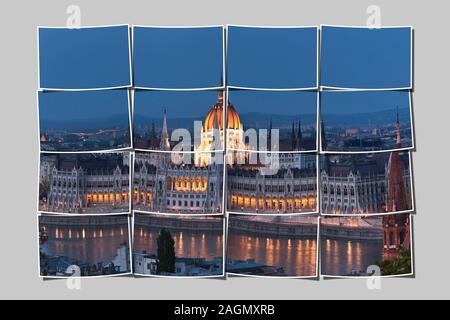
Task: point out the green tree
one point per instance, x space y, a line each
166 252
399 265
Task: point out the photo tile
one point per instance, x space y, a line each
170 120
366 58
366 121
178 57
84 121
84 246
84 58
271 183
84 183
272 57
179 183
366 184
366 246
262 246
277 121
178 246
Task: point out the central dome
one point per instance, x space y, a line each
216 112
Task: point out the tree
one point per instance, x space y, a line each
399 265
44 189
166 252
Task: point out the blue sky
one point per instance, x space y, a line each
356 102
179 104
178 58
364 58
84 58
273 58
82 105
274 102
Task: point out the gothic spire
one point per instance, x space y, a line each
323 136
398 142
165 145
299 136
293 136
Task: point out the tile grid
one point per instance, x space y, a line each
224 208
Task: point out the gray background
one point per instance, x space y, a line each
19 160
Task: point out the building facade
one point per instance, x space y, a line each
362 183
283 183
80 183
161 185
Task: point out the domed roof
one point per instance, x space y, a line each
216 112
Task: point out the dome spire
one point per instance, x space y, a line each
220 98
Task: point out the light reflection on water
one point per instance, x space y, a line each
188 244
340 257
296 256
85 244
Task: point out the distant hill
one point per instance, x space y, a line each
119 120
250 120
378 118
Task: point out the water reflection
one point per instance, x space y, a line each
188 244
341 257
85 244
296 256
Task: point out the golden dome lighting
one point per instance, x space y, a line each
216 112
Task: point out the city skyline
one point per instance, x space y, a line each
84 120
366 121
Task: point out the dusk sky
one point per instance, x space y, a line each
365 58
179 58
82 105
84 58
274 102
273 58
357 102
178 104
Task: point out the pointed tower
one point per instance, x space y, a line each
398 142
293 136
299 141
397 199
153 143
322 135
396 227
269 137
165 145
